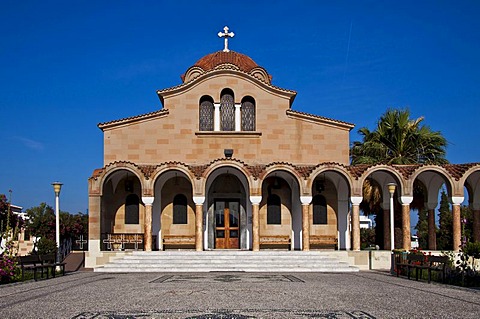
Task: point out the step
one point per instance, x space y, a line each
235 260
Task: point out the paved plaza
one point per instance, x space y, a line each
236 295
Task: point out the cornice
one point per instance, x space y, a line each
133 119
319 119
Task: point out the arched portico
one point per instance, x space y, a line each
250 187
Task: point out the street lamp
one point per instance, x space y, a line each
391 190
57 186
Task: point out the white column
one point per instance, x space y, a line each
255 200
406 236
456 223
355 220
148 201
216 117
305 200
238 119
199 200
57 224
343 222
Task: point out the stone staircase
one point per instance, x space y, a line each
230 261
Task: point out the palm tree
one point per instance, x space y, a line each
396 140
399 140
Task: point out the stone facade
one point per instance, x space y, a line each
226 186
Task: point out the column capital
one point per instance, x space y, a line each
148 200
406 200
457 200
198 200
356 200
476 206
306 200
255 200
431 205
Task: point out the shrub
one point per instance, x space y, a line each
46 246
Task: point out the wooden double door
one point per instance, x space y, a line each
227 224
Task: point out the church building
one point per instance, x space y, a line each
228 163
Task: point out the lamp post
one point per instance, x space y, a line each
391 190
57 186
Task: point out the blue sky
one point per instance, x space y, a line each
68 65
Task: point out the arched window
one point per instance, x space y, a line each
274 213
180 209
206 114
319 210
227 110
248 114
132 215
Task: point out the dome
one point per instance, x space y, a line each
213 60
210 61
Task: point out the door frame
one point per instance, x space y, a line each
227 242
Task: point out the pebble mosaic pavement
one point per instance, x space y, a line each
88 295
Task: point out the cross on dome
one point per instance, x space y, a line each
225 34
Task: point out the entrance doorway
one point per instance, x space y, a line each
227 224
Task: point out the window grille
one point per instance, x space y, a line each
248 115
227 112
206 115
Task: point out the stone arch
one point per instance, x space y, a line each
287 168
451 184
114 168
340 170
224 163
177 167
397 177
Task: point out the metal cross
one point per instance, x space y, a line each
225 34
81 241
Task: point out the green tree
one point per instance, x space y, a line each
422 228
398 139
367 237
444 232
41 221
7 218
466 214
72 226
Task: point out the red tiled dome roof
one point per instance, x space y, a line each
212 60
